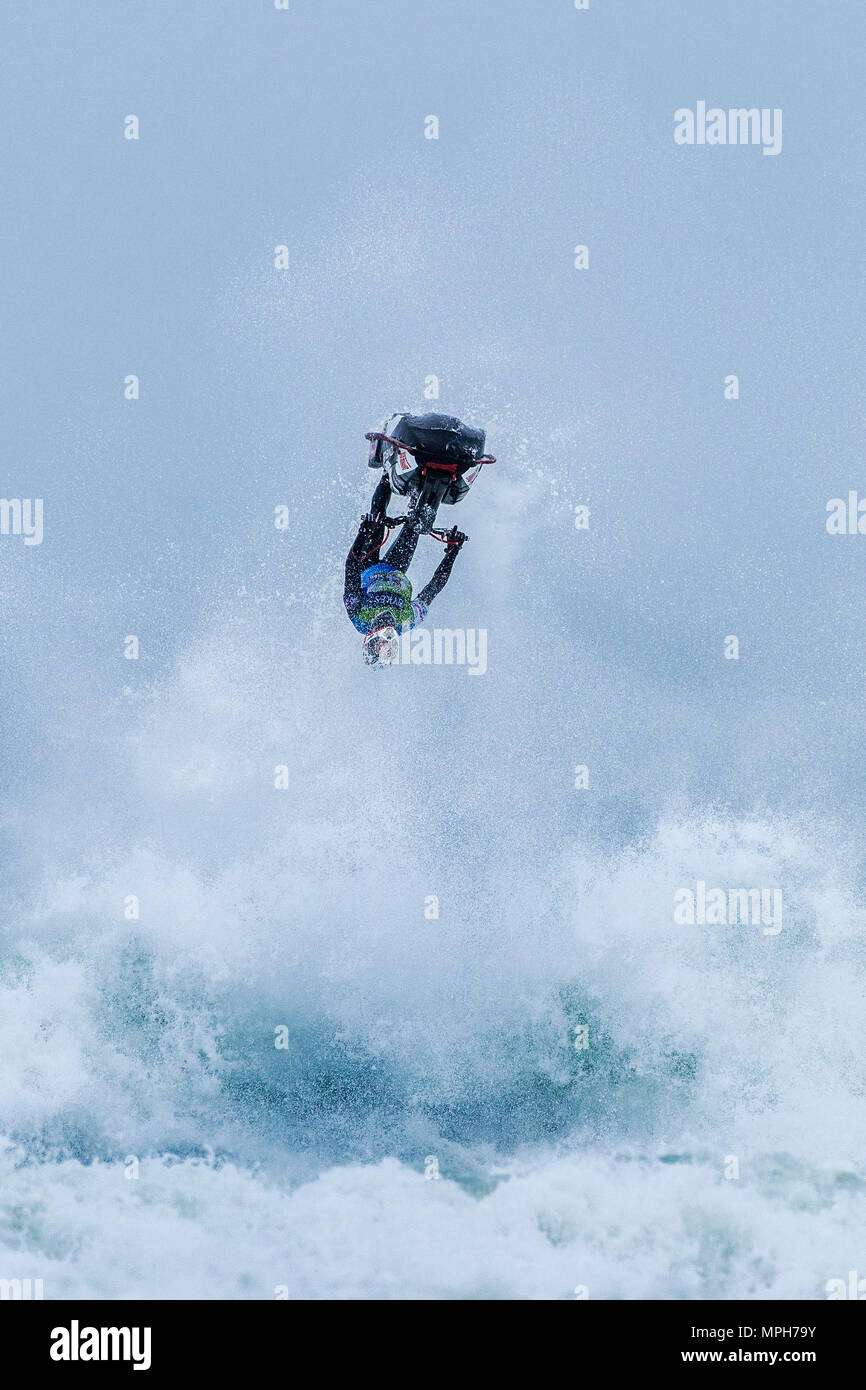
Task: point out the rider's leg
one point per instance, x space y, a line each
400 553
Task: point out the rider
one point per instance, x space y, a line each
378 593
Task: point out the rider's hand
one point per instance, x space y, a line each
456 538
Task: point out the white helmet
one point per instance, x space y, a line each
382 646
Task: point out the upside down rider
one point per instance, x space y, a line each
378 592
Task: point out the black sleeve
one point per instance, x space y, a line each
364 552
352 592
440 578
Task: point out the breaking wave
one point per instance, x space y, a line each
433 952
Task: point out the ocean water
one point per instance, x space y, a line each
158 1144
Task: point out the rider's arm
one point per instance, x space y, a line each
364 552
352 590
440 577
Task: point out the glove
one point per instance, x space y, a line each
455 538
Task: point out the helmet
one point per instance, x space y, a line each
381 646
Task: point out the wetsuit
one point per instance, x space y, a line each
377 589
